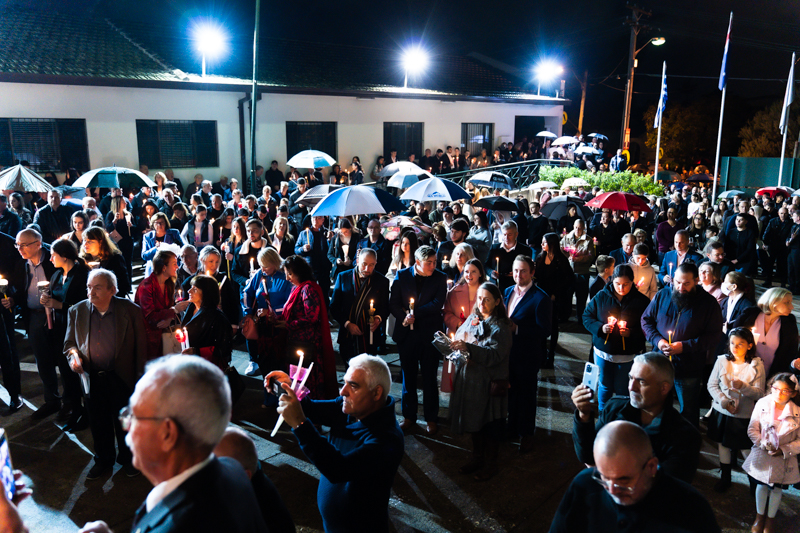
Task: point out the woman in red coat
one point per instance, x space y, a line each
156 296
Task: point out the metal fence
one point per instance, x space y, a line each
523 173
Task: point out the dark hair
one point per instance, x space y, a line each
254 222
344 224
209 288
460 225
66 249
299 267
604 261
553 242
161 259
107 246
159 216
623 271
688 268
483 218
641 249
79 214
494 290
783 377
478 265
747 335
526 259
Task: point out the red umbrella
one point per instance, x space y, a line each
619 201
774 191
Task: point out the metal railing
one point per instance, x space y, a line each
523 173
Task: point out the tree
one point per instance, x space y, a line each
686 130
761 136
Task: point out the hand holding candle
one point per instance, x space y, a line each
371 319
611 322
44 288
411 311
623 326
294 388
3 287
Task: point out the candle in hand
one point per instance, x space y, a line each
670 337
411 310
3 286
252 265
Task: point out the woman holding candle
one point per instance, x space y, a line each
774 430
735 385
305 316
643 271
120 227
224 225
774 328
208 328
479 404
99 249
554 275
162 233
614 317
67 287
479 237
461 298
280 238
179 216
197 231
737 289
234 241
403 253
342 247
155 295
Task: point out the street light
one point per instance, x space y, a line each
632 63
545 72
210 42
414 61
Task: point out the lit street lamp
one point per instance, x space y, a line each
414 61
546 72
210 42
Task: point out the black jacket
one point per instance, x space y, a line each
630 309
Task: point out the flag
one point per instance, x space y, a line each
788 99
662 100
723 73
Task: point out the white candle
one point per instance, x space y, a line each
3 286
252 265
371 319
294 384
411 311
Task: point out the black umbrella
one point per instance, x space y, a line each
557 207
496 203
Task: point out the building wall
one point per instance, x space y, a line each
111 115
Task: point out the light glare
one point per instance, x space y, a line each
658 41
210 40
415 60
547 70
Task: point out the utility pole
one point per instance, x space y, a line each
583 99
636 26
253 100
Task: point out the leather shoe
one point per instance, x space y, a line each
432 428
130 470
46 410
77 422
97 470
13 407
407 425
526 444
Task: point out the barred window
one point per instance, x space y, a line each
405 137
320 136
476 136
45 143
177 143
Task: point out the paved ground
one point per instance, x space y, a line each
429 494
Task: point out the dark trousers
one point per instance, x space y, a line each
794 270
9 358
523 394
252 350
107 395
39 337
69 379
776 257
581 294
415 354
554 330
689 391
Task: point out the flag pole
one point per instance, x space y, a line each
723 81
783 150
784 124
660 118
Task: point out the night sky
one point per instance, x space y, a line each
580 35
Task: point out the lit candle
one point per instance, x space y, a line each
641 282
93 264
623 324
294 384
3 286
411 311
444 262
670 337
252 266
611 322
450 361
670 270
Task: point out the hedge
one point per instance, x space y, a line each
608 181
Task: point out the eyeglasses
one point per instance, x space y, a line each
782 392
24 245
126 416
609 485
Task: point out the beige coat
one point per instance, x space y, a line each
781 468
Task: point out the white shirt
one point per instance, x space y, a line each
516 297
163 489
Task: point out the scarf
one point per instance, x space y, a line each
359 312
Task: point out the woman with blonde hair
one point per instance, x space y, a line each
774 329
280 238
454 267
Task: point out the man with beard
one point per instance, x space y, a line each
675 442
684 323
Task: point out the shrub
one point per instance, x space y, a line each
608 181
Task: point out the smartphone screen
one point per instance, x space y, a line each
591 378
6 470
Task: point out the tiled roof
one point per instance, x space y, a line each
56 44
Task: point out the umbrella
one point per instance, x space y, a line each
393 227
774 191
700 178
544 185
357 200
586 149
796 193
113 177
598 136
493 180
730 194
496 203
68 190
557 207
21 179
701 169
315 194
402 181
436 190
667 175
564 140
547 134
678 185
310 159
575 183
619 201
404 168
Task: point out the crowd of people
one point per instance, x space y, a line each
668 297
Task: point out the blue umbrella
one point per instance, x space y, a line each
493 180
730 194
436 190
357 200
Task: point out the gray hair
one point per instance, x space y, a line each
195 394
509 224
206 251
423 252
188 248
367 251
377 372
659 363
110 277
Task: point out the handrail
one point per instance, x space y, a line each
523 173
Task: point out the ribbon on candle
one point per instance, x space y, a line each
611 322
294 385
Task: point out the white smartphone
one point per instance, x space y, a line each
6 470
591 378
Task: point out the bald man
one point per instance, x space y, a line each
627 492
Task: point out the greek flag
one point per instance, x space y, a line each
788 99
723 73
662 100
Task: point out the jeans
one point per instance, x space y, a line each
613 379
689 391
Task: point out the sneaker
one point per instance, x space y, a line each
252 369
46 410
97 470
12 408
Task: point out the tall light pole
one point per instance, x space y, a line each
414 61
253 100
636 27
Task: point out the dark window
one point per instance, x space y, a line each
476 137
177 143
311 136
405 137
47 144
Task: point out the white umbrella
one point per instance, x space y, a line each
405 168
113 177
586 149
435 190
21 179
574 182
547 134
564 140
310 159
402 181
544 185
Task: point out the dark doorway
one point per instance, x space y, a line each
527 127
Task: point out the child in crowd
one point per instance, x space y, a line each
643 272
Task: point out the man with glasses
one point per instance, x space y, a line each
627 491
107 341
649 405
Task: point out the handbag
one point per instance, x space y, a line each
249 328
499 388
169 344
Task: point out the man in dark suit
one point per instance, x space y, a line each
419 292
356 293
530 311
538 225
11 266
312 246
106 340
194 490
54 219
298 211
504 253
273 176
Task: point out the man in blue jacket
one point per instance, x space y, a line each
531 312
674 258
684 322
